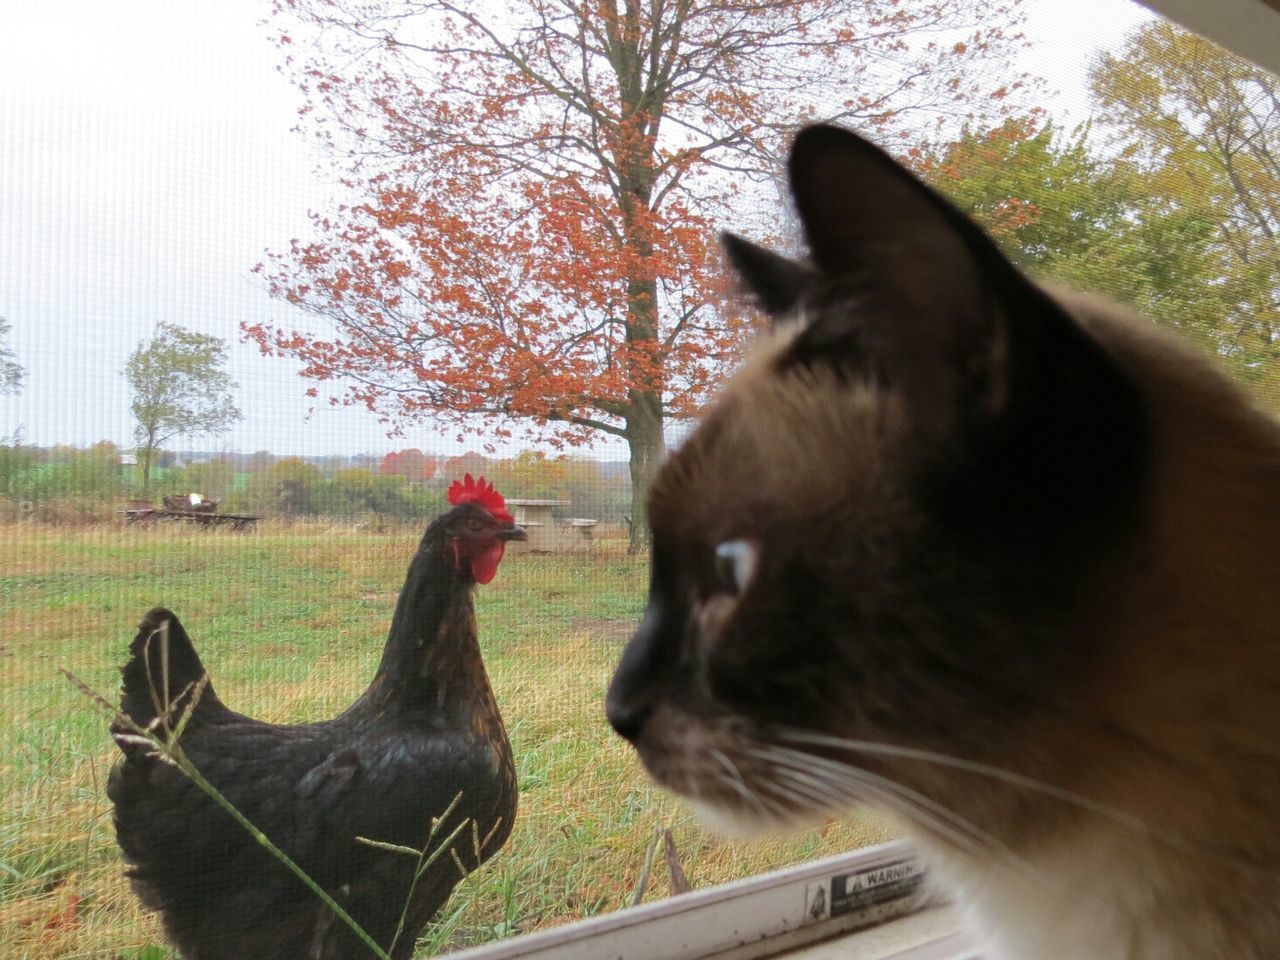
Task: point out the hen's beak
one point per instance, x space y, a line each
513 532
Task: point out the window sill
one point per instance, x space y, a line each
866 905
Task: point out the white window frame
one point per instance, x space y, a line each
874 901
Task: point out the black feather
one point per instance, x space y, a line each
161 643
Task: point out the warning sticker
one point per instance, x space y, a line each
869 890
872 887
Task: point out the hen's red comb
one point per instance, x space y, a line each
481 494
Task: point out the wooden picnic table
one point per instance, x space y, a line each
151 516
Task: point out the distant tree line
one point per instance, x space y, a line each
32 474
405 485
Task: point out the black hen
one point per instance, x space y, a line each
425 730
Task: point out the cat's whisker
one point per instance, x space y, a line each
835 790
969 766
733 777
802 802
830 798
1080 801
763 803
857 783
815 796
823 794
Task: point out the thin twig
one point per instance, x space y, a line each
643 883
679 882
425 861
89 692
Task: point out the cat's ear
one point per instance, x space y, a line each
932 305
863 212
903 277
936 302
777 282
875 229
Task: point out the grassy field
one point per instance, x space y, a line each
290 625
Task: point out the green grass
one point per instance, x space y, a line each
290 625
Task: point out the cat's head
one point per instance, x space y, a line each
891 525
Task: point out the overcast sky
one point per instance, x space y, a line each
146 162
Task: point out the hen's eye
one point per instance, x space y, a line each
735 564
474 524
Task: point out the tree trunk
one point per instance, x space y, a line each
645 440
147 453
634 154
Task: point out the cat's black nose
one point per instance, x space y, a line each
635 683
626 718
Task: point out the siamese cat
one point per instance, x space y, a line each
999 558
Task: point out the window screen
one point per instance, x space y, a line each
272 280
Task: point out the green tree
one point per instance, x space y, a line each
1203 128
260 460
531 475
91 473
1041 194
1063 212
356 491
212 479
180 387
286 487
95 472
17 463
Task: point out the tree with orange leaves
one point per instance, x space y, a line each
412 464
536 184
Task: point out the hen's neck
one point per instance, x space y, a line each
431 661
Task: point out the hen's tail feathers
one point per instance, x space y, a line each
163 676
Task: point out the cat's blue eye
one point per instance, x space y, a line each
735 565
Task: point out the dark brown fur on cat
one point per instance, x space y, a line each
1011 574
